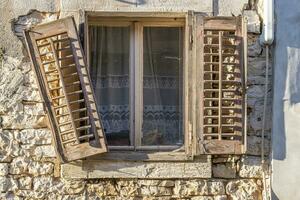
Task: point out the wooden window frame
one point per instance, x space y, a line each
138 152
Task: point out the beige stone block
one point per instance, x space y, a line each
243 189
3 169
250 167
73 170
25 182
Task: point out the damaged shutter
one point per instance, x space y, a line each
223 73
65 86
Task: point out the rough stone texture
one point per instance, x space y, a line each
3 169
254 145
34 136
96 169
25 183
28 167
244 189
253 24
8 184
190 188
8 147
250 167
224 170
45 151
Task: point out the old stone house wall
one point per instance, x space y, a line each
28 165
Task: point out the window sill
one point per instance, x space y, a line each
142 156
200 167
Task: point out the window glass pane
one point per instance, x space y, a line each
109 59
162 80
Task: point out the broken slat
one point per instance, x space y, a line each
56 37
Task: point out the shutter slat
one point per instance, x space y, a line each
65 87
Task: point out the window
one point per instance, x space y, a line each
153 84
136 69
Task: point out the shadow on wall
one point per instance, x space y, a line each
290 100
137 2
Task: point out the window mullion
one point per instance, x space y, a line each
138 82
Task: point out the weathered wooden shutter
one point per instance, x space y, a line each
65 86
223 72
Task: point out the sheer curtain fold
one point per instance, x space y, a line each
161 86
109 72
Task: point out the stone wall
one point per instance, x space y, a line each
28 165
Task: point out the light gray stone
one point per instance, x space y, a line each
250 167
11 79
8 146
254 48
253 21
256 115
243 189
3 169
34 109
45 151
34 136
19 165
39 168
256 66
8 184
254 145
25 183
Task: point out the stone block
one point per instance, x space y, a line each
184 188
250 167
3 169
34 136
46 151
253 21
215 187
254 145
9 148
39 168
102 189
25 183
8 184
155 191
224 170
243 189
19 165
